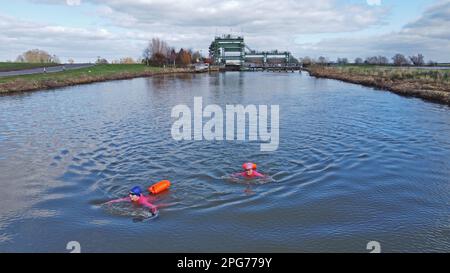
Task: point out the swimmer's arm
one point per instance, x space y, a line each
125 199
257 174
261 175
149 205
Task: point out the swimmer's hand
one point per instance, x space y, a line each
154 211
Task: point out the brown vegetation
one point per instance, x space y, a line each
159 53
37 56
427 84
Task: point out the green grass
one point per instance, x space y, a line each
398 73
8 66
94 71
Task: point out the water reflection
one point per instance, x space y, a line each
353 164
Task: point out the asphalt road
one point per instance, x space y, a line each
52 69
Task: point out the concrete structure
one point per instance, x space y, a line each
231 51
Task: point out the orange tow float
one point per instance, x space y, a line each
159 187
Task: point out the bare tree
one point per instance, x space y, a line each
20 59
359 61
70 61
417 60
371 60
342 61
159 47
101 60
55 59
382 60
146 56
400 59
377 60
127 60
322 60
196 57
172 56
306 61
432 63
157 52
37 56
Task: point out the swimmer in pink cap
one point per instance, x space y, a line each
250 171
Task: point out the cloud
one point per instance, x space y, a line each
17 36
266 25
374 2
191 24
124 27
73 2
429 35
434 23
255 16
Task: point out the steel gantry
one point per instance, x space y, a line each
231 50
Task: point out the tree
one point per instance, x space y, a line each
377 60
183 58
37 56
155 50
432 63
101 60
382 60
342 61
196 57
417 60
127 60
70 61
359 61
400 60
158 59
371 60
322 60
55 59
172 56
146 56
306 61
20 59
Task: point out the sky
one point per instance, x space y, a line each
85 29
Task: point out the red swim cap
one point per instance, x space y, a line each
248 166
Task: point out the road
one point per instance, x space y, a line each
52 69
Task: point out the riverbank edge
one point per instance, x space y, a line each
403 88
22 85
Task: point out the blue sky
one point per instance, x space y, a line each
85 29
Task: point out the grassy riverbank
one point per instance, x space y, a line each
96 73
428 84
7 66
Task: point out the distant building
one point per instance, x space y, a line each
229 50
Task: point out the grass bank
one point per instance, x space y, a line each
427 84
98 73
20 66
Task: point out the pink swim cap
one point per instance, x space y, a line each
248 166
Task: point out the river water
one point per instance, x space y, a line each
353 165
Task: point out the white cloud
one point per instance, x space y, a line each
17 36
374 2
73 2
127 25
429 35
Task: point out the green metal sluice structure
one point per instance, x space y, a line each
232 53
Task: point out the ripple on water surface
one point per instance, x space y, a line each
353 165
